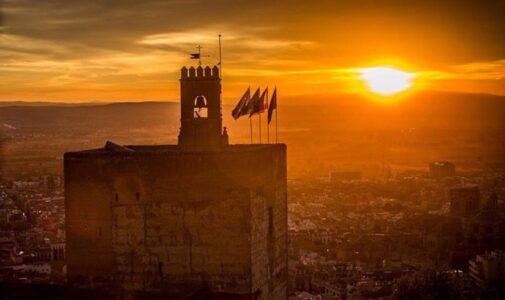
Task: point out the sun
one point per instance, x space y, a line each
386 81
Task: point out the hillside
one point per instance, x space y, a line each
321 131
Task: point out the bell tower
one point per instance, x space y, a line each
201 119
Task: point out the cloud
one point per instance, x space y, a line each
483 70
240 40
489 70
98 45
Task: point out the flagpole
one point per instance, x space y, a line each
276 109
268 124
259 115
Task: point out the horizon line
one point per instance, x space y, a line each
106 102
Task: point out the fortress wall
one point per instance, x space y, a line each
178 217
269 229
87 218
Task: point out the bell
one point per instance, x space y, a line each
200 102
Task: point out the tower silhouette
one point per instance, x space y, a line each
201 118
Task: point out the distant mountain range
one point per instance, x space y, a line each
315 113
319 129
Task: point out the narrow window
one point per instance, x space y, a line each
116 198
137 196
160 268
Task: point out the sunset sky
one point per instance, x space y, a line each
60 50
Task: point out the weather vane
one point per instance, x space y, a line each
198 55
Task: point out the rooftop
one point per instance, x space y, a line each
112 149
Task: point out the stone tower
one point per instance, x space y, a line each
201 118
201 214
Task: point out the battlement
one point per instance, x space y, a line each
200 73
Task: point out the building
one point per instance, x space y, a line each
58 250
488 270
442 169
485 230
202 212
464 200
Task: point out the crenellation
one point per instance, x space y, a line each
192 72
215 72
184 73
208 72
199 72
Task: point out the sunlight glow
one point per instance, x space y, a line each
386 81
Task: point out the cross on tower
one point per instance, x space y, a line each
199 55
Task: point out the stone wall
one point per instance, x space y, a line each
160 215
269 234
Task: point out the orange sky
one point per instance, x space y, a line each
132 50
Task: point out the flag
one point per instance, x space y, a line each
273 105
241 107
194 56
254 105
263 103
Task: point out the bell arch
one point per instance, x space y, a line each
200 107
